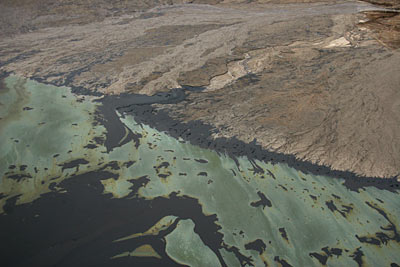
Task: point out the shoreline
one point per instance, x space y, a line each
198 133
295 93
88 196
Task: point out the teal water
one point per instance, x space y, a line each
304 219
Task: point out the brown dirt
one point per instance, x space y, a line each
385 26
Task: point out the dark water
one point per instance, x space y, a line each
70 197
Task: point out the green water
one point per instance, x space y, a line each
57 129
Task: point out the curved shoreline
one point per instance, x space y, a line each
200 134
130 190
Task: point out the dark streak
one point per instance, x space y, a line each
381 237
369 240
357 256
321 258
115 129
284 188
282 262
90 146
164 176
283 234
264 201
327 253
271 174
137 183
128 163
257 245
113 165
163 164
201 160
336 251
20 56
256 168
243 260
23 167
73 164
346 209
19 177
332 207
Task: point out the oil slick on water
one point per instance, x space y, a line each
263 213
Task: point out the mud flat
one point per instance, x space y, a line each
158 196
